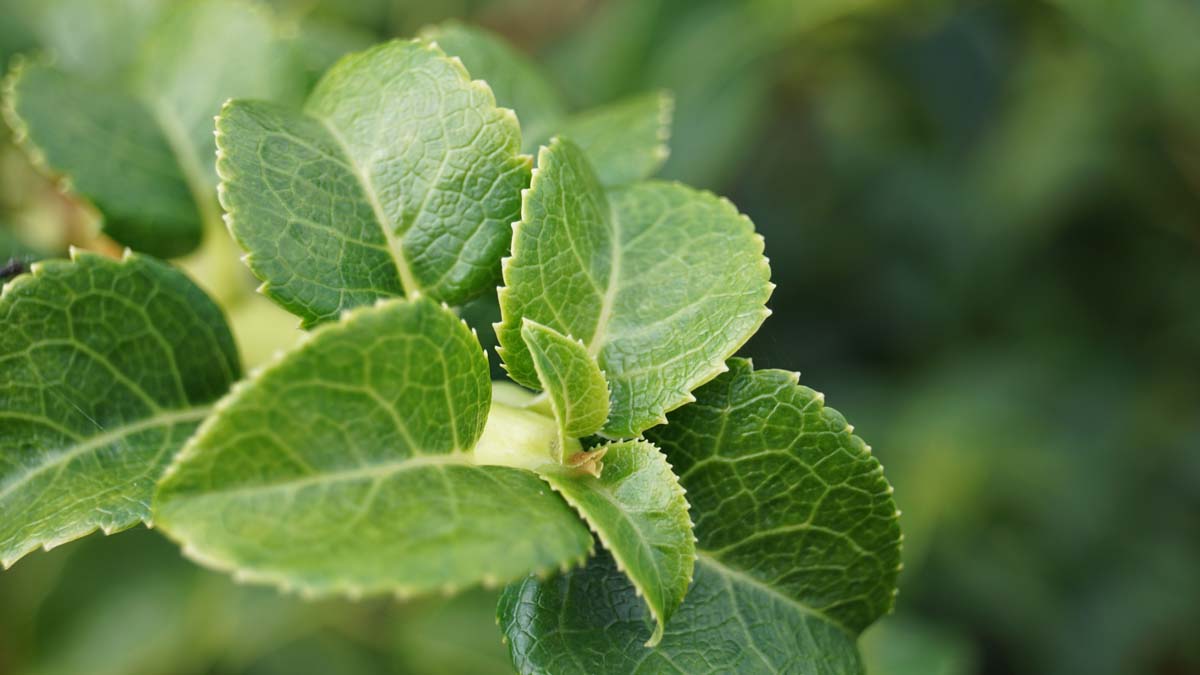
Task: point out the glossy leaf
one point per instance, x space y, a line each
638 510
108 367
798 548
660 281
154 122
401 175
346 467
570 377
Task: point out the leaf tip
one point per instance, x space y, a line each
656 637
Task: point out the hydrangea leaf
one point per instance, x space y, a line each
108 367
148 204
591 622
155 122
399 176
638 511
819 498
798 547
660 281
515 79
346 466
626 140
571 378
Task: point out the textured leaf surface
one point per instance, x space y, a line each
399 176
660 281
571 379
346 467
108 367
638 510
798 548
625 141
817 521
517 82
154 123
591 622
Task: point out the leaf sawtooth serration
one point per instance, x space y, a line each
108 368
798 548
346 467
607 266
399 176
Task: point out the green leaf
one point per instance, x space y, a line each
148 204
591 622
660 281
818 497
346 467
154 124
798 547
108 367
399 176
637 509
625 141
571 379
517 82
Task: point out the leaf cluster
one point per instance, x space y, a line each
744 526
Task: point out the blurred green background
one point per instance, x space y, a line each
984 223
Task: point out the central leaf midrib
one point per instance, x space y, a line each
407 280
707 558
106 438
609 299
371 471
602 491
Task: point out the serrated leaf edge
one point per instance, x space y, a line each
554 406
86 528
677 491
718 364
666 119
817 399
336 588
63 181
225 173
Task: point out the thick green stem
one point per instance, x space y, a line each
519 437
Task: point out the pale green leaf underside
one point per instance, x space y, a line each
140 147
570 377
638 510
346 467
660 281
626 141
591 622
106 368
798 547
401 175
